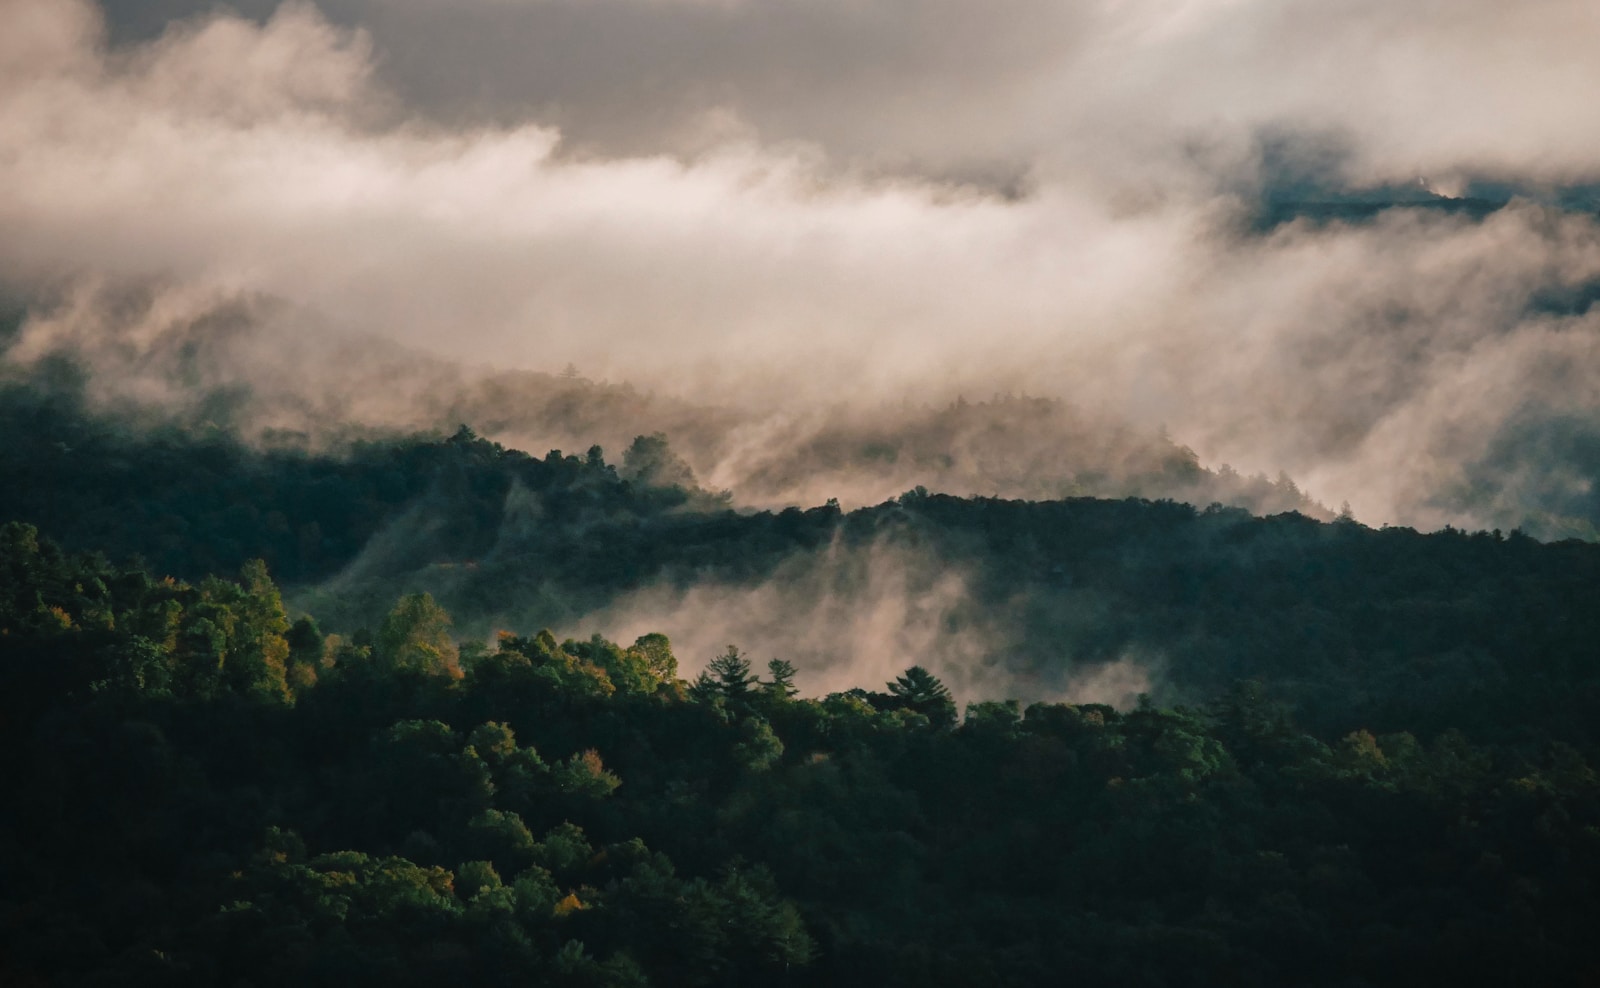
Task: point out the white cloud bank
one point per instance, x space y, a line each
791 254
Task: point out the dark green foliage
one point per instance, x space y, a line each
918 689
1385 774
1386 627
396 824
649 461
306 647
780 679
727 677
656 651
731 673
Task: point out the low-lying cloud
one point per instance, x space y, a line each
851 616
1040 198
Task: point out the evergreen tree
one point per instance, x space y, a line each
731 673
921 690
781 681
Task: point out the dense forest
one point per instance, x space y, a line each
1366 759
204 792
1389 627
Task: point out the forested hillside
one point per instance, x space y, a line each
1362 757
204 792
1004 598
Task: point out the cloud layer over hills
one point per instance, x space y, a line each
779 205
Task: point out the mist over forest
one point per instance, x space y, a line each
718 492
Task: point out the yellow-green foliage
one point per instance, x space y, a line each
416 636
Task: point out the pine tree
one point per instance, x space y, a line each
781 683
731 672
922 691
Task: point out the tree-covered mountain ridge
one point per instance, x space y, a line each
210 793
999 597
1366 756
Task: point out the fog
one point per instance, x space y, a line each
851 617
850 613
776 208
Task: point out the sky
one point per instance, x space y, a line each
790 204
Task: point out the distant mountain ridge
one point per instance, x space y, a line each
1013 597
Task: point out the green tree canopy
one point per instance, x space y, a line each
416 635
922 691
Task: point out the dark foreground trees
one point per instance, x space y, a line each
199 792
